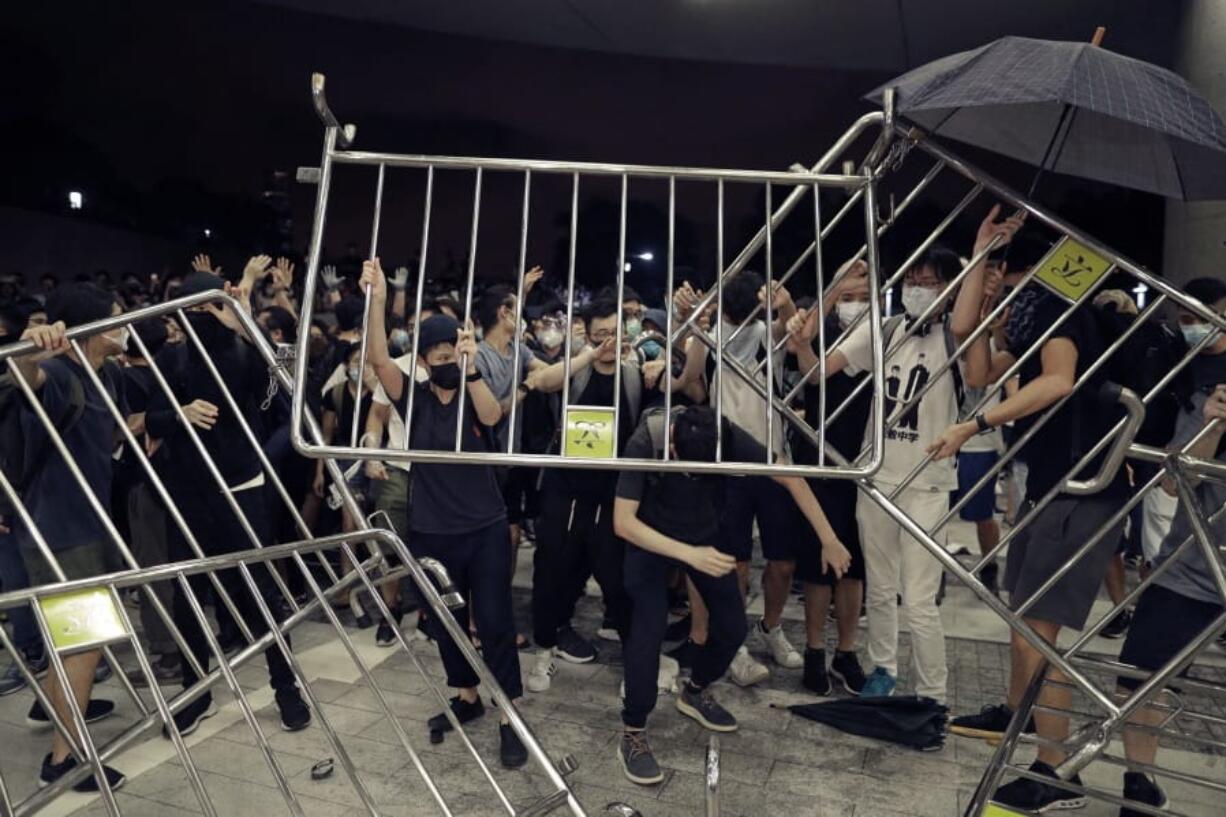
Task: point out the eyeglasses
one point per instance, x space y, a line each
600 337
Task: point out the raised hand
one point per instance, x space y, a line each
530 279
990 228
283 274
373 277
855 281
202 263
330 278
466 346
400 278
51 339
257 265
782 301
685 299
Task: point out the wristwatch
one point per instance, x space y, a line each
982 423
473 378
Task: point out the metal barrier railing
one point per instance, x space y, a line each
84 614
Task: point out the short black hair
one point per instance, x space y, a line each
349 312
944 262
280 318
1206 290
631 294
599 308
152 332
79 303
741 295
695 434
494 299
12 321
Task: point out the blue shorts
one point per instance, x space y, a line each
972 465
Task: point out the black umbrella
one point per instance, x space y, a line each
912 721
1072 108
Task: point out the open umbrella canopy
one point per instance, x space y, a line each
1072 108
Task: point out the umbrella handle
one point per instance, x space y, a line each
1099 33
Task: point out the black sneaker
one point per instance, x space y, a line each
295 714
1036 798
990 576
1140 789
94 712
815 678
1118 626
189 718
11 680
168 671
511 749
52 772
702 707
845 666
464 712
102 672
573 647
684 653
637 760
990 723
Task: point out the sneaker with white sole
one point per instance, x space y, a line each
540 676
746 670
637 760
700 705
781 649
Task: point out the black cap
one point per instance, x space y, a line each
437 329
199 282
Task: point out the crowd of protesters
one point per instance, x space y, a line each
658 544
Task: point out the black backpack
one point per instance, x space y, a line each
20 465
1147 356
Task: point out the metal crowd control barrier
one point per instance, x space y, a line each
900 167
79 616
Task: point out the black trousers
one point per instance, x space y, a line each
647 584
218 532
575 539
479 564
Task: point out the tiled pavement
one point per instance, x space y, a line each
777 764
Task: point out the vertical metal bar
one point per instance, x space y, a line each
570 303
303 356
770 329
159 700
468 311
78 718
718 380
227 672
874 315
668 318
421 286
518 341
374 249
621 297
712 777
820 305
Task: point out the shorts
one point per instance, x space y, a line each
1050 540
838 499
1163 624
972 465
747 498
81 562
392 498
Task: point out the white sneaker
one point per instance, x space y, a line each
541 675
746 670
666 678
782 651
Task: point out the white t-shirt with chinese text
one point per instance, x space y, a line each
907 371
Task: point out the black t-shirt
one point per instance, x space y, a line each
594 484
344 412
683 506
1081 422
846 433
54 498
449 498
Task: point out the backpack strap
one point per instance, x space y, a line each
967 398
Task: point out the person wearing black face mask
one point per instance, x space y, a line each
456 512
209 516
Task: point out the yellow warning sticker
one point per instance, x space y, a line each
589 432
82 618
1071 268
993 810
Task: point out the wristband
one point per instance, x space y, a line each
473 378
981 422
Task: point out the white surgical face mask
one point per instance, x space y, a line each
1194 333
916 299
550 337
120 341
634 328
353 372
849 311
